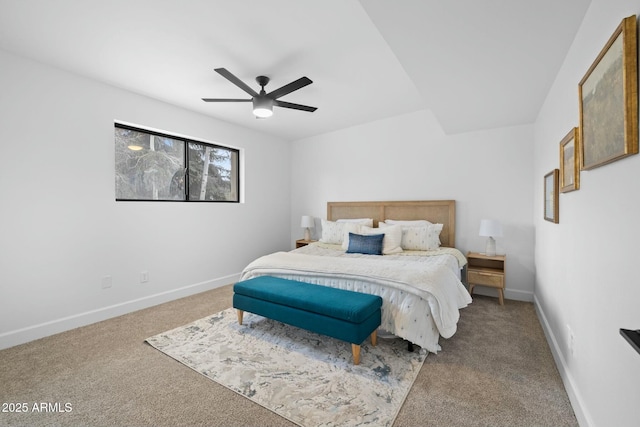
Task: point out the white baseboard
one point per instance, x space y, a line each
30 333
513 294
582 414
518 295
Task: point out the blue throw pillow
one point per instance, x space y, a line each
369 244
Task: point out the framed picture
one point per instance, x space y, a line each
551 196
609 100
569 162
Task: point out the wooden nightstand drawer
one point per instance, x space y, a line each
486 278
486 270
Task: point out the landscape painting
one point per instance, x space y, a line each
551 209
609 101
569 165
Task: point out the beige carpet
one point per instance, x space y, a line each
496 371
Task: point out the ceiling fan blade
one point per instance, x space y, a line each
236 81
225 100
295 106
300 83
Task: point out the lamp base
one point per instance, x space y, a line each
307 234
491 247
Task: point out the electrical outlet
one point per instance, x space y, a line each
106 282
144 276
571 341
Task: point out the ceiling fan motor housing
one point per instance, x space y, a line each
262 81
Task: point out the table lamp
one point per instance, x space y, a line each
490 228
307 223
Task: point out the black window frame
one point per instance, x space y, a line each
185 155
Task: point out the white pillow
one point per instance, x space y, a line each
334 232
414 223
419 238
435 229
391 244
363 221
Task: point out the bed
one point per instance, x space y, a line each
421 289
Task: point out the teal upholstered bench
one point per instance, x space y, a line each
345 315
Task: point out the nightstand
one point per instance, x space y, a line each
301 242
484 270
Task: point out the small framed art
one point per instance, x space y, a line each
609 100
569 162
551 209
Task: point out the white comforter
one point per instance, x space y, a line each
421 295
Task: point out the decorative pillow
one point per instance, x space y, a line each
363 221
334 232
369 244
435 230
424 238
392 237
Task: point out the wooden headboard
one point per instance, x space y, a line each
436 211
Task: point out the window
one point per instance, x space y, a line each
156 166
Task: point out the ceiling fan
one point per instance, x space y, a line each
263 102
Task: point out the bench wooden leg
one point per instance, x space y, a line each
240 314
355 349
374 338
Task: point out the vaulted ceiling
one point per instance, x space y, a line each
475 64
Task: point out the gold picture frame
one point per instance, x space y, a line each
570 162
609 100
551 209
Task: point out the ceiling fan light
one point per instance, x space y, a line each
134 147
263 113
262 107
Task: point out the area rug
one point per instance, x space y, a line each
307 378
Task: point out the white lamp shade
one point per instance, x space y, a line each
307 222
490 228
262 107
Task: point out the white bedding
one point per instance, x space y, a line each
421 291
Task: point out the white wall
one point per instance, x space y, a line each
586 265
488 173
61 230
